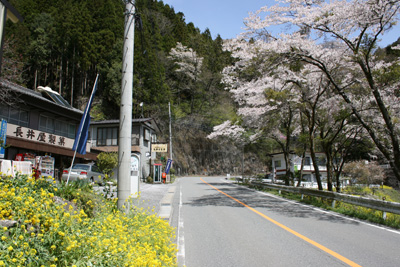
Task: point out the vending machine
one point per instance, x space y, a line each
45 165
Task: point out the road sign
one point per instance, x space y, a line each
169 163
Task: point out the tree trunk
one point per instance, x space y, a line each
72 85
287 162
303 159
61 74
36 76
329 170
311 127
393 156
315 164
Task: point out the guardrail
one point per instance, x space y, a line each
385 206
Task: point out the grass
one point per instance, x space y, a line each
85 230
375 216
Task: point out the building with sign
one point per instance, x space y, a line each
279 166
40 124
103 137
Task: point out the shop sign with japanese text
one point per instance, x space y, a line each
159 147
39 136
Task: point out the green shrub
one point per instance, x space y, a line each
107 162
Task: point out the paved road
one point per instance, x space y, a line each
237 226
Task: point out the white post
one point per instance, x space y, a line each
170 132
125 120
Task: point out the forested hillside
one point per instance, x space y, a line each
64 44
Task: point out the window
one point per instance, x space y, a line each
95 169
107 136
307 161
277 163
14 115
46 124
65 129
135 136
146 134
71 130
135 141
4 112
321 161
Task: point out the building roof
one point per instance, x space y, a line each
12 13
36 99
150 121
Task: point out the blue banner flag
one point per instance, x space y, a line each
82 133
3 136
169 163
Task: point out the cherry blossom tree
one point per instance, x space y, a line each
339 38
267 103
232 130
275 95
189 68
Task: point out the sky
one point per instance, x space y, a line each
225 17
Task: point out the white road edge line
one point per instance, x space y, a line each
181 238
320 210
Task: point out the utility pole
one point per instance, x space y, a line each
170 131
126 186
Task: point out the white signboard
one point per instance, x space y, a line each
40 136
135 163
159 147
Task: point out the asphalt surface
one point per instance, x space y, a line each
221 224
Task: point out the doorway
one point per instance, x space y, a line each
157 173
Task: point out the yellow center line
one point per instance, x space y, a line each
327 250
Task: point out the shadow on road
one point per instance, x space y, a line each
256 200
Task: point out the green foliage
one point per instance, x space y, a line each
70 42
107 162
79 192
52 233
64 44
